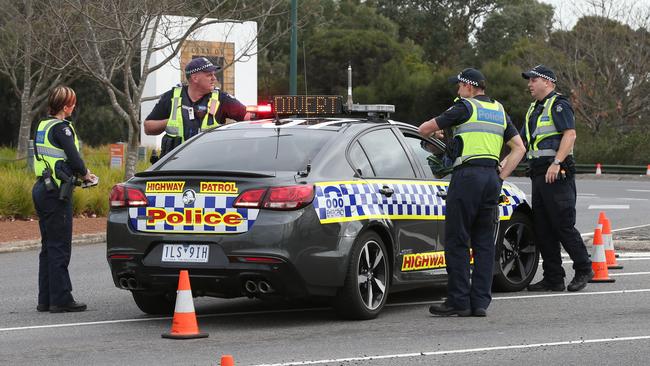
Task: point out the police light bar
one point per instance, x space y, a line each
372 108
308 105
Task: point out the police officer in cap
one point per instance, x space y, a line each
550 133
56 163
480 127
184 111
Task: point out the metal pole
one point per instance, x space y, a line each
293 57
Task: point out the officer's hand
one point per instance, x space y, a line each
552 173
440 134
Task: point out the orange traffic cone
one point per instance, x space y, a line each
610 252
184 324
647 171
598 170
598 261
227 360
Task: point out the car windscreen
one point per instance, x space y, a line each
260 149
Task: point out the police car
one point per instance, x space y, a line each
340 207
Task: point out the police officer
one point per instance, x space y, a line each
550 133
56 163
480 126
184 111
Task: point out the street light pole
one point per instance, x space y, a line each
293 56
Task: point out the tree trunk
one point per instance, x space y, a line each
132 153
25 123
26 99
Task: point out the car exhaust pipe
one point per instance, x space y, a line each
132 283
251 286
265 287
124 282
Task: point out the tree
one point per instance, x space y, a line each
504 27
106 39
607 71
442 27
27 48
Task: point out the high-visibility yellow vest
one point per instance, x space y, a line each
545 128
175 123
46 154
482 134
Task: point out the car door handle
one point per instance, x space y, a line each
386 191
442 194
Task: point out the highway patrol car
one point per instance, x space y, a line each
341 207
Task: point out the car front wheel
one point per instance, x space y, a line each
517 256
366 285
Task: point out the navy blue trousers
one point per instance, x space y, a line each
55 222
554 215
471 221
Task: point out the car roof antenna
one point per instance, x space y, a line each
349 103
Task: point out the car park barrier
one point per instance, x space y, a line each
605 169
184 325
598 262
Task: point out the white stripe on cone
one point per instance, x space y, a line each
184 302
598 254
608 242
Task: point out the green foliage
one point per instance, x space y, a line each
609 147
516 20
16 185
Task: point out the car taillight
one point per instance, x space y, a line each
289 198
123 196
250 199
277 198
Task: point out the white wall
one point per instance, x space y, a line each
243 35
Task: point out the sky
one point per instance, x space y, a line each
568 12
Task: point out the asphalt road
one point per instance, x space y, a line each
626 202
605 324
521 328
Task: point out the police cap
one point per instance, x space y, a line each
469 76
199 64
540 71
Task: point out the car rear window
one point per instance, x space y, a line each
263 149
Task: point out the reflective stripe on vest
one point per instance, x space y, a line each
175 122
482 133
545 127
48 153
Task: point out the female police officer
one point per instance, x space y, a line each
56 163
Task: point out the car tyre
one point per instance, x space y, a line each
367 279
154 303
517 257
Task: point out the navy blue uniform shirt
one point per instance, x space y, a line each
459 113
229 107
563 119
62 136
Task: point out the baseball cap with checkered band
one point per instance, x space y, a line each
540 71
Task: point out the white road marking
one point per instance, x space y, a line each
629 274
460 351
609 207
265 312
632 199
616 230
638 190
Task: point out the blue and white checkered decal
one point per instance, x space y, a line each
205 205
357 200
415 200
